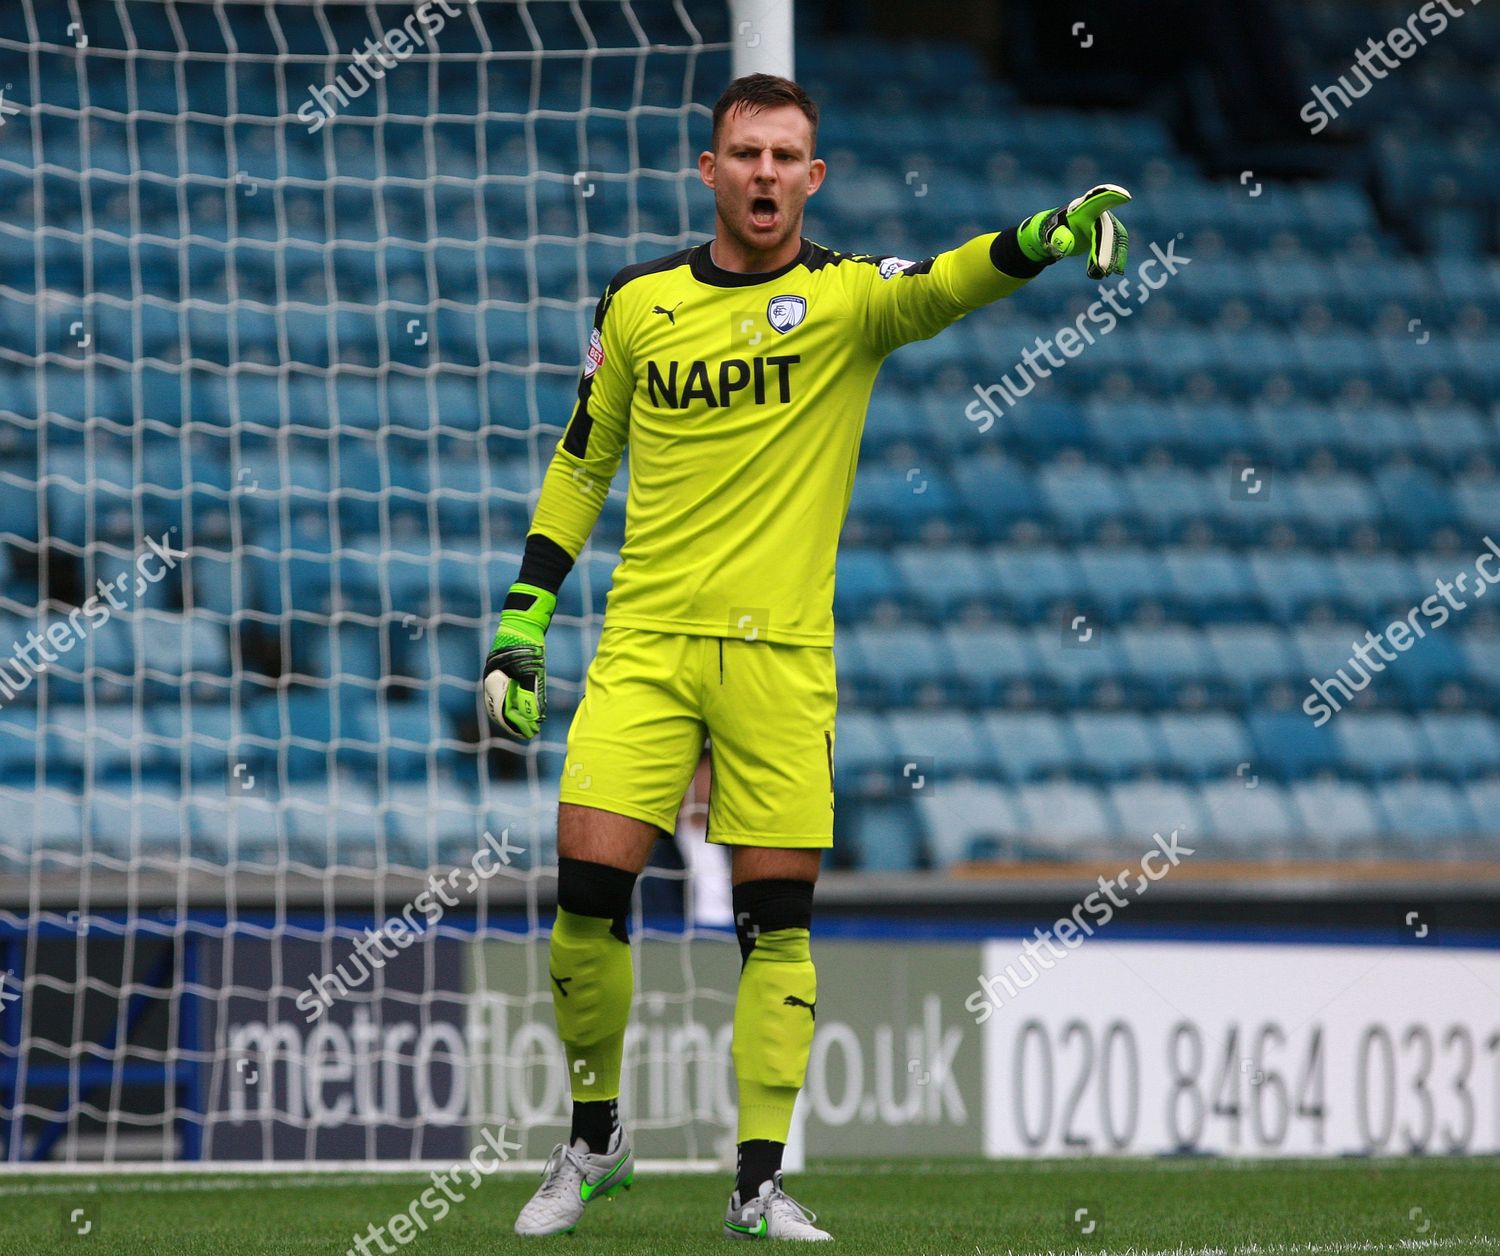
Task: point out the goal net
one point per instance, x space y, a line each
295 297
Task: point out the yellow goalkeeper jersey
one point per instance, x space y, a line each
742 398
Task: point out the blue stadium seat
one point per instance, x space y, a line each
1289 745
1201 745
1030 744
1165 661
944 581
954 742
411 736
38 821
864 753
891 502
969 820
885 838
986 661
995 495
1117 581
1370 584
1033 579
145 828
1065 818
1338 817
1254 821
1428 666
1463 745
1117 744
1081 497
1145 808
1380 745
1422 813
1291 583
1075 664
865 578
1209 583
1416 503
902 664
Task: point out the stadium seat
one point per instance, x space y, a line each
1065 819
1380 745
1338 818
1250 818
1204 744
1030 745
1115 745
1463 745
1420 814
985 661
885 838
1144 808
971 820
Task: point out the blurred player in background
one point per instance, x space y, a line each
739 370
706 890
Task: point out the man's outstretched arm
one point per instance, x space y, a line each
914 300
573 493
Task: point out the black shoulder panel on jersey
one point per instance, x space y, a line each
823 256
654 267
576 438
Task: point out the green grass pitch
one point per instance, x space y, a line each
1143 1207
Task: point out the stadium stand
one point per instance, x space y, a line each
327 627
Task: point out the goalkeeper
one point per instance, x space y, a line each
739 370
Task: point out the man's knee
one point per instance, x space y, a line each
595 890
767 906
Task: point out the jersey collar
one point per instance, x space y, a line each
706 270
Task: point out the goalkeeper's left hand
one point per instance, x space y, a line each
1083 225
515 673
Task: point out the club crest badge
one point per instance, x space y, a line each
784 313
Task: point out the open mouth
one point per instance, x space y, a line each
763 212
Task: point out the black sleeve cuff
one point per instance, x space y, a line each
1007 258
544 564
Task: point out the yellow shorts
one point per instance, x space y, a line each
649 700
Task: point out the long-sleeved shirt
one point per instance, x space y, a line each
743 399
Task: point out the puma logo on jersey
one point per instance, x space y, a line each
560 982
792 1000
671 314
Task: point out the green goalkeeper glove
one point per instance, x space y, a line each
1082 225
515 673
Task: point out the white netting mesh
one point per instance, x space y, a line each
277 389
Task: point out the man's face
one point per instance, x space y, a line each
762 173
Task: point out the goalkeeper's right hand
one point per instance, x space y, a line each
1092 229
515 673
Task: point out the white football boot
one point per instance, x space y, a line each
773 1214
572 1179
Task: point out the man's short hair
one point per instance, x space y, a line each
764 91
